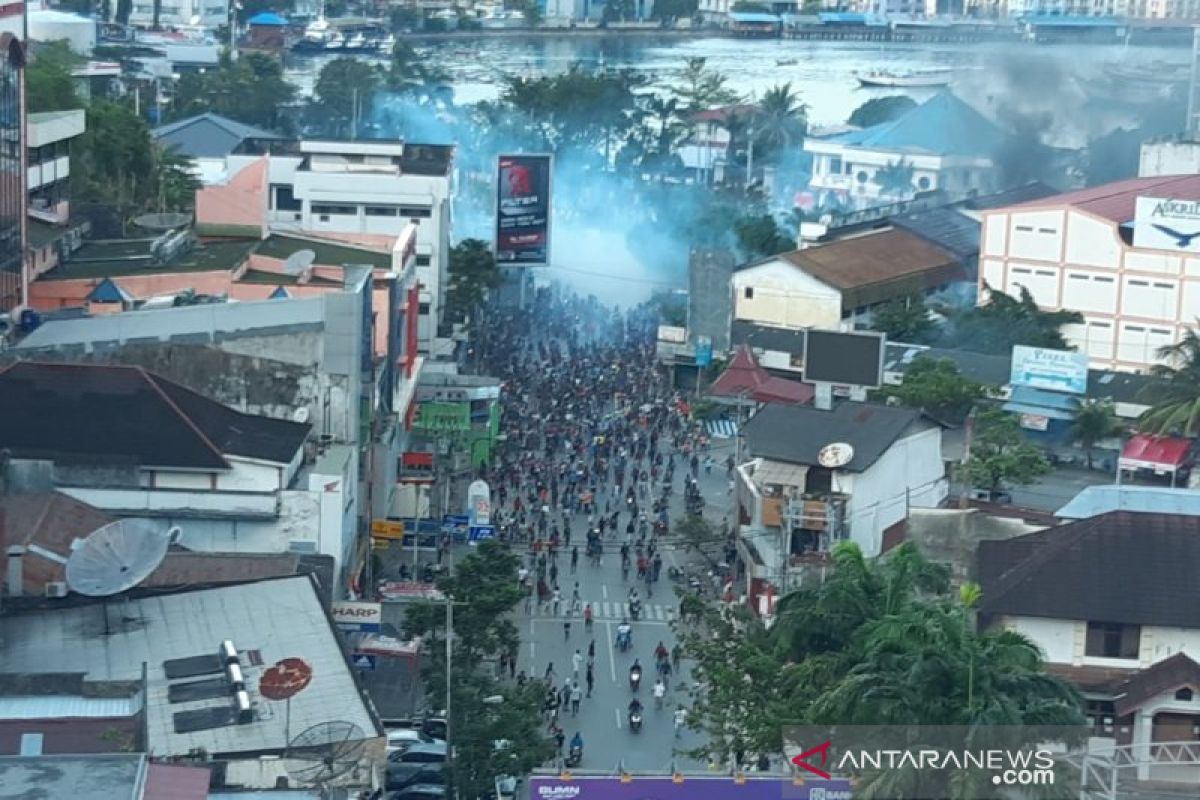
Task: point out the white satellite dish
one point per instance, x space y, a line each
300 415
299 261
833 456
116 557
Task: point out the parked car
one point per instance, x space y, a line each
434 727
989 496
424 791
404 738
401 775
423 753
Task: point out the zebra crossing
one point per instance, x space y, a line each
722 428
607 611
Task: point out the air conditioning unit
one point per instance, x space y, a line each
245 712
236 679
303 546
56 589
227 653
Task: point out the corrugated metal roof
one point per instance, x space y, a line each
208 135
942 125
66 706
1116 201
947 227
1096 500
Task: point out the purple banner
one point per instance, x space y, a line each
692 788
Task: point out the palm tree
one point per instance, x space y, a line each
1175 396
780 120
1095 421
895 179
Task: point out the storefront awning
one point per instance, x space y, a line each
1039 402
1159 453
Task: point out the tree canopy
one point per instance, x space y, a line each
905 319
1000 455
1003 321
49 85
473 272
1174 396
345 94
878 110
251 89
936 385
761 236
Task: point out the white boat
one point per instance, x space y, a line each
357 41
906 80
335 42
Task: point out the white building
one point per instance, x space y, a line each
837 284
367 192
48 162
209 14
792 510
1111 601
1137 291
942 144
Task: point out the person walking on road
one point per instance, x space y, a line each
591 679
576 697
660 691
577 662
567 625
587 617
680 720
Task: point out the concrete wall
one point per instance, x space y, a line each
710 305
951 536
780 294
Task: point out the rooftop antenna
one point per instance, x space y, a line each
324 752
115 558
299 261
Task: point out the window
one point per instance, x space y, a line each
861 177
1077 277
423 308
1102 279
323 209
1184 694
415 211
1158 285
1139 283
1045 273
424 261
1113 640
1021 271
923 183
835 165
1047 230
1025 228
748 293
382 211
285 198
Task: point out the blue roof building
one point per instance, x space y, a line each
268 18
942 144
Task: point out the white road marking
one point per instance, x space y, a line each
604 590
532 649
617 712
612 660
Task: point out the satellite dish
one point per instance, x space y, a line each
833 456
162 222
300 415
324 752
299 261
116 557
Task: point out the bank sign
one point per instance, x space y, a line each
1161 223
1056 370
690 788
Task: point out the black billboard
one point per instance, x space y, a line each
846 359
523 210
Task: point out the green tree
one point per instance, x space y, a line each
345 93
618 10
473 272
1000 455
780 121
1003 321
761 236
895 179
175 180
251 89
1174 396
494 727
1095 421
878 110
113 162
410 73
936 385
905 319
48 82
699 88
747 7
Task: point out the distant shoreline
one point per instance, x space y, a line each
574 33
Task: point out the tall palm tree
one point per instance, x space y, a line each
780 120
1095 421
896 179
1174 397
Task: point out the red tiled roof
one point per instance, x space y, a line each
745 376
1116 201
1167 451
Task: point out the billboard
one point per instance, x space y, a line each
1165 224
1042 368
363 617
523 210
845 359
662 787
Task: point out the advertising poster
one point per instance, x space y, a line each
523 210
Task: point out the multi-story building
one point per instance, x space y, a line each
1136 281
942 144
181 13
363 192
51 233
12 172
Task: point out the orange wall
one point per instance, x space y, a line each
51 295
242 201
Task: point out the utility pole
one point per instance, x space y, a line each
449 683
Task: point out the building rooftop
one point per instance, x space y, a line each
127 414
202 323
943 125
79 777
947 227
990 370
267 621
1020 194
209 135
332 254
1096 500
795 434
132 257
876 266
1116 201
745 377
1069 572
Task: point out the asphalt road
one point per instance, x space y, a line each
602 720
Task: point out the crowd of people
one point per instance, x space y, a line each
597 442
